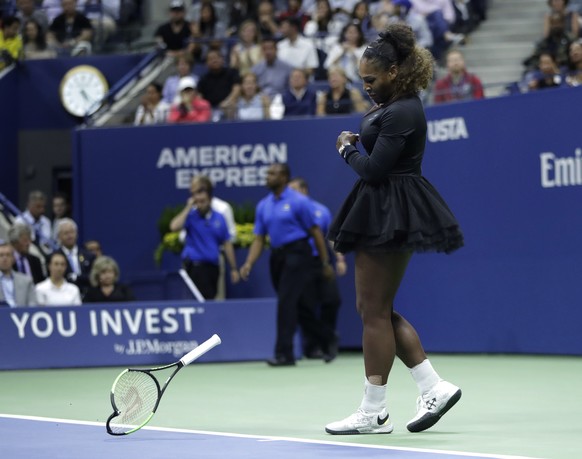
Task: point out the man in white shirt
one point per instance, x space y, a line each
16 289
295 49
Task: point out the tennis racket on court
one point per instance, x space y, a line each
136 393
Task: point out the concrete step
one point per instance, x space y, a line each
510 35
492 54
489 75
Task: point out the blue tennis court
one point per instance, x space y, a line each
40 438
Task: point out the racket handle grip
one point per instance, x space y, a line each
202 349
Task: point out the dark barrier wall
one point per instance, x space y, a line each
31 108
9 109
510 168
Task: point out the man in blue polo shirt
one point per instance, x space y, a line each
206 233
285 216
320 338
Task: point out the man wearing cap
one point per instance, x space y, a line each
174 35
192 107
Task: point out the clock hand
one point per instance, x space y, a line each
84 94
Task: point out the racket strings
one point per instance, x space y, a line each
135 396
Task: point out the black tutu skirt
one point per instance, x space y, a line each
403 214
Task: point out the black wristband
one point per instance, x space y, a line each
347 150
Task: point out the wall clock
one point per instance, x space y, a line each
82 88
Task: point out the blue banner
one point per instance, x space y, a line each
133 334
510 169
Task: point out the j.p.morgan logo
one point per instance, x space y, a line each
561 171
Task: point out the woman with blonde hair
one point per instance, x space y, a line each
105 286
252 104
247 52
340 99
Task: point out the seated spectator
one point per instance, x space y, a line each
207 33
34 216
348 52
251 104
402 12
105 286
16 289
52 8
300 99
571 18
174 35
294 10
295 49
557 44
94 247
191 108
439 15
24 262
152 110
221 12
574 72
206 233
340 99
61 209
272 73
55 290
35 45
241 11
548 74
10 42
458 84
343 9
247 53
361 16
79 260
183 62
324 28
268 27
27 10
71 32
220 85
103 15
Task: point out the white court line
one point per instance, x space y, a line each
269 438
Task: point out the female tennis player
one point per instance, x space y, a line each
391 212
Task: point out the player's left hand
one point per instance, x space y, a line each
346 137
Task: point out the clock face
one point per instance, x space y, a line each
82 88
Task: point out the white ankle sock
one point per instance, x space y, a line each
424 376
374 397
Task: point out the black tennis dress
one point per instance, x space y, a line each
392 208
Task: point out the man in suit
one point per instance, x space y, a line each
79 260
19 236
16 289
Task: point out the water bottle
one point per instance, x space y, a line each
277 109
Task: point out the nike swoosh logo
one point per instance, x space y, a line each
382 421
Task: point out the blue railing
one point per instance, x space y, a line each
117 88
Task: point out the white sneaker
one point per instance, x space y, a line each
432 405
362 422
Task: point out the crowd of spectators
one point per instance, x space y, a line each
43 263
269 59
42 29
225 40
557 58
